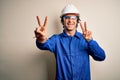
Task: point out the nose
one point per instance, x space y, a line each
70 19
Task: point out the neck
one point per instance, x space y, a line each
70 33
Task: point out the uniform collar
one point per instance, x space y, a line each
77 34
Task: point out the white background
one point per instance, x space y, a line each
21 60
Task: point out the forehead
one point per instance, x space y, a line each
71 14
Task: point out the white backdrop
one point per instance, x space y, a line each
21 60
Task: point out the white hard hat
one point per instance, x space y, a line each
69 9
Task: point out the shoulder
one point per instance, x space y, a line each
55 36
79 35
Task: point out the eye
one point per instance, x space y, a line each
70 17
66 17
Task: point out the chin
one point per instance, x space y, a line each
70 29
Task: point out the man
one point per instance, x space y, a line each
71 48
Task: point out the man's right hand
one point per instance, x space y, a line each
40 32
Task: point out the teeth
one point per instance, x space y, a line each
70 24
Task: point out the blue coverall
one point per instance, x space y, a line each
72 55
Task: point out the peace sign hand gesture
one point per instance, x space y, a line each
86 33
40 32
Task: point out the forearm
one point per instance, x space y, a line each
48 44
96 51
40 45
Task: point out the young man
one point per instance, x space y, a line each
71 48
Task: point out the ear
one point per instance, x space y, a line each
78 19
62 21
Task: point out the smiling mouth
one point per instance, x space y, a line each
70 24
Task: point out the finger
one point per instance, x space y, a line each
45 22
38 19
37 31
85 27
82 26
36 34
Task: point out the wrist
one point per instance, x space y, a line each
90 39
42 39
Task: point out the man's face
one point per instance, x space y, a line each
70 22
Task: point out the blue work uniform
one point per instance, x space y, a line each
72 55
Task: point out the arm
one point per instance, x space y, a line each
41 40
48 45
96 51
